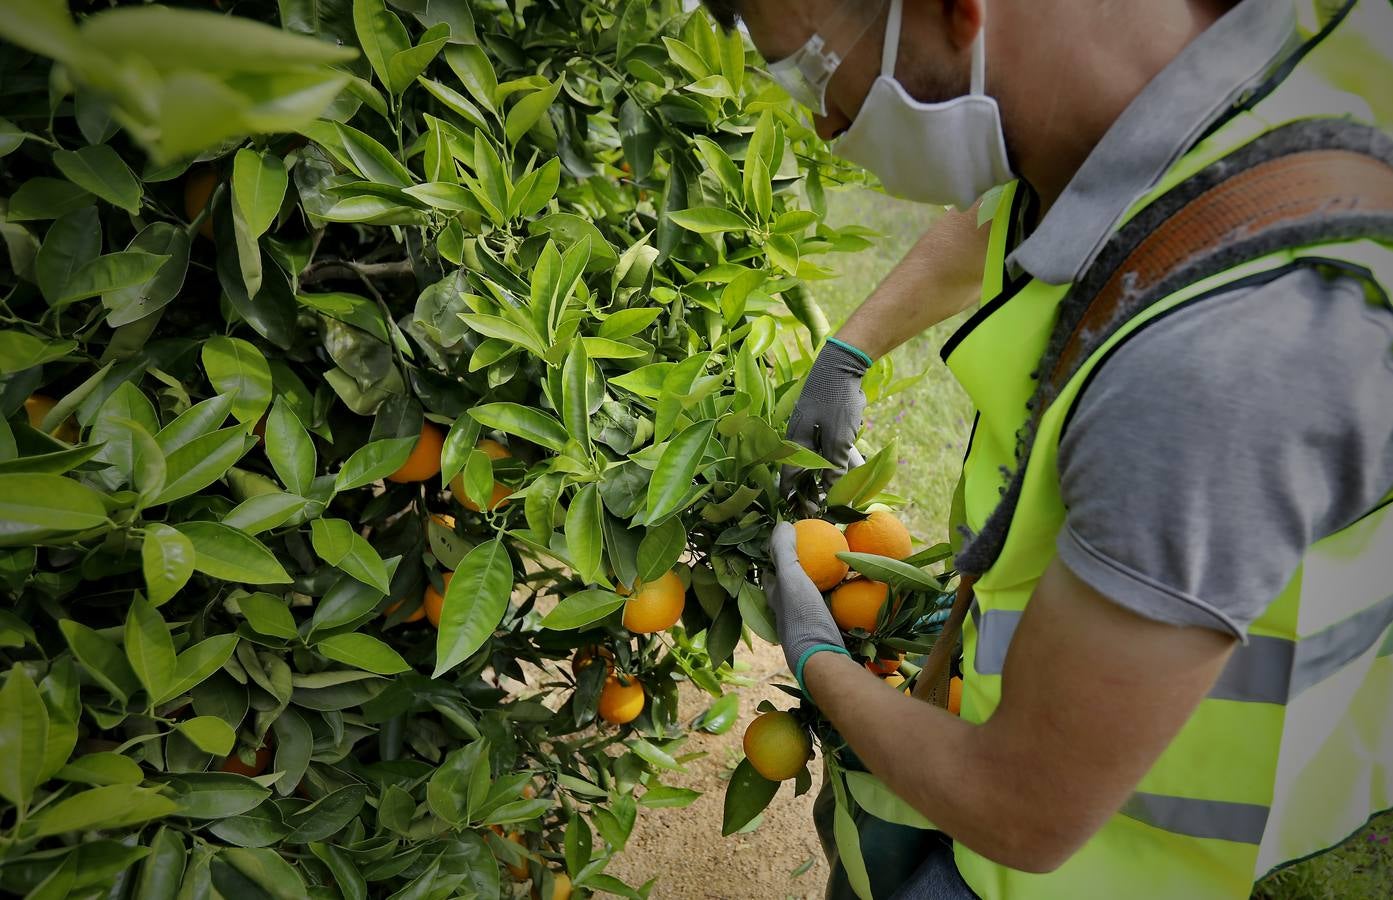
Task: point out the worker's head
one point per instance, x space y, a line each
900 82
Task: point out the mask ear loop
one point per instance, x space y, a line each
979 56
890 53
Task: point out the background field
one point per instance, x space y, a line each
781 858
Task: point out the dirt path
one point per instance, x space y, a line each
684 849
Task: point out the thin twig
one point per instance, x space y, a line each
337 268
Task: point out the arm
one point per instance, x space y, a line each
1092 694
938 278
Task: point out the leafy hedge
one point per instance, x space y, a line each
258 261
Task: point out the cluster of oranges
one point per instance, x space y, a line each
855 603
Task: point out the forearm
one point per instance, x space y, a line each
934 760
939 278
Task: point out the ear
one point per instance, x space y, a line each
962 20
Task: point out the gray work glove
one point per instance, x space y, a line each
801 616
828 413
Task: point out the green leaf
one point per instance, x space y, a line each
339 545
46 198
672 479
259 181
101 659
347 601
202 461
374 461
216 795
236 367
289 448
755 612
584 534
899 574
380 34
660 549
200 419
167 559
198 663
747 794
35 508
663 796
99 769
475 601
405 65
524 421
709 220
581 609
134 303
98 168
575 378
265 511
459 444
268 615
42 26
443 195
72 242
364 652
528 110
109 807
372 160
23 738
862 483
163 870
721 715
872 795
209 734
110 273
20 351
231 555
505 330
328 814
149 648
848 839
454 101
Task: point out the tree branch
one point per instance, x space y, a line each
330 269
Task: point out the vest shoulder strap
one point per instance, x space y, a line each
1310 182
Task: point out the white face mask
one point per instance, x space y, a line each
945 153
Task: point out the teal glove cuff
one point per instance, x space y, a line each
859 354
807 654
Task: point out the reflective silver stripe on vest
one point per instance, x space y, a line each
1209 819
1265 670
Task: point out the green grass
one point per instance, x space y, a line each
932 420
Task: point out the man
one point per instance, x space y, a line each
1178 664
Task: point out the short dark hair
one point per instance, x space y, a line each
723 11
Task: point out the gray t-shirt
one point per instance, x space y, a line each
1219 443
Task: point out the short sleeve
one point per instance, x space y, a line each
1218 443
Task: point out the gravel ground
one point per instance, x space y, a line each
683 848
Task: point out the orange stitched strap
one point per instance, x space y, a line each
1301 188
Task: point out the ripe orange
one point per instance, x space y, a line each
434 601
237 766
955 695
417 614
620 702
857 603
885 666
38 406
560 887
655 606
424 461
519 870
585 657
818 544
493 450
777 746
895 680
879 533
198 188
444 521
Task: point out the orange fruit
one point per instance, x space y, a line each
560 887
655 605
424 461
818 544
880 533
518 870
417 614
895 680
955 695
38 406
885 666
857 603
621 701
585 657
495 451
777 746
444 521
434 601
198 189
238 766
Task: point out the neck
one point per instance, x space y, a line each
1074 67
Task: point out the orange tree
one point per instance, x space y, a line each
356 363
